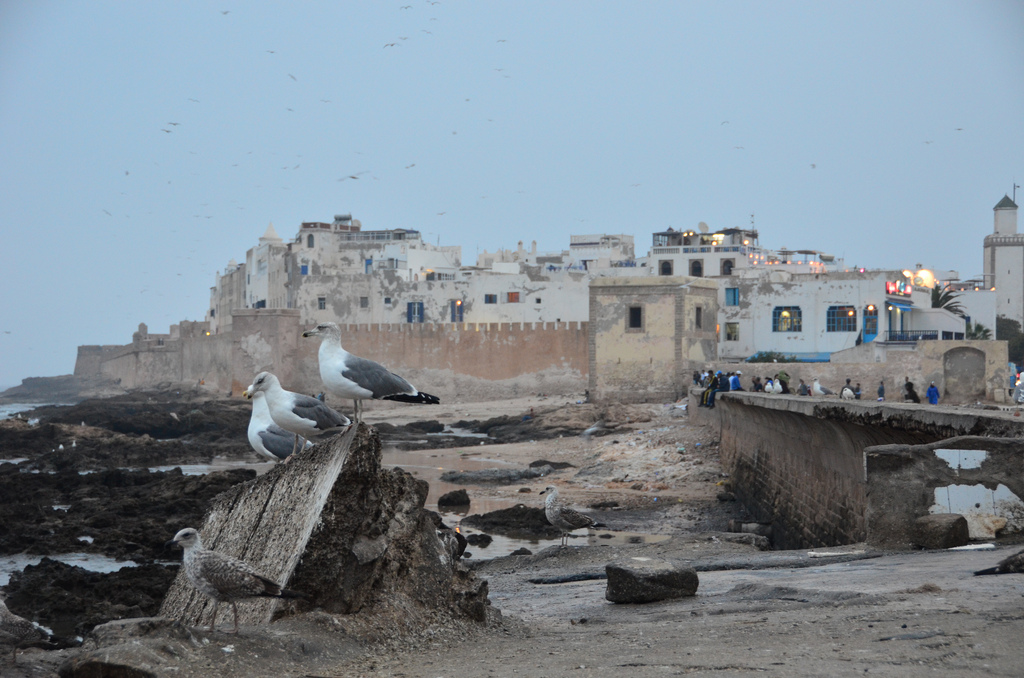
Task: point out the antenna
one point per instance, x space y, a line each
751 219
1015 187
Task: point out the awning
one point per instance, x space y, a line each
901 305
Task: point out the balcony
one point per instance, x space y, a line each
910 336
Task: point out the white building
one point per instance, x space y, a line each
1004 261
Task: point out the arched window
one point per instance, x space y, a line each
841 319
664 268
727 265
787 319
696 268
309 240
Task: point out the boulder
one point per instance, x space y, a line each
454 498
645 580
941 531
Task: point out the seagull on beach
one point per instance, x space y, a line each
265 436
223 578
303 415
563 517
819 390
16 631
1012 565
346 376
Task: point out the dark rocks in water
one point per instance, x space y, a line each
454 498
647 581
556 465
523 551
497 476
72 600
481 540
431 426
520 522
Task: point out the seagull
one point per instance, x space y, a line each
303 415
598 427
223 578
1011 565
347 376
15 630
820 390
846 393
563 517
265 436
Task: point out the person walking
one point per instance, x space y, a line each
933 394
881 390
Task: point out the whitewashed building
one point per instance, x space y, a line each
1004 261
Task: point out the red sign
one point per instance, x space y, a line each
899 287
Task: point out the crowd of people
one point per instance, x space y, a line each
719 382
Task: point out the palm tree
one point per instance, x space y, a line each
977 331
947 299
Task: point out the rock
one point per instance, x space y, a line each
941 531
481 540
520 521
636 486
557 465
499 476
454 498
726 496
525 490
522 552
644 580
984 525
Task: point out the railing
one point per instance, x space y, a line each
911 335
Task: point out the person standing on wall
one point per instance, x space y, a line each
933 394
881 390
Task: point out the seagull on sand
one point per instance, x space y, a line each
223 578
303 415
346 376
563 517
16 631
265 436
1011 565
820 390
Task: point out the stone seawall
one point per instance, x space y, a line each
798 462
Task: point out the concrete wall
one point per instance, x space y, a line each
980 478
798 463
647 364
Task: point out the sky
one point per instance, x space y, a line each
144 145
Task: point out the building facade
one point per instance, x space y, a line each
1004 261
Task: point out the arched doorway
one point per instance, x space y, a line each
963 370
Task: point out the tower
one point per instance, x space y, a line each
1004 261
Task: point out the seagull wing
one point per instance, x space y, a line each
277 441
375 378
314 410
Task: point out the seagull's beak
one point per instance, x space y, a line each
170 543
310 333
247 393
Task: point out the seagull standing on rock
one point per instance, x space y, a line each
303 415
265 436
15 630
347 376
564 518
223 578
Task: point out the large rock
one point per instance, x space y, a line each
644 580
941 531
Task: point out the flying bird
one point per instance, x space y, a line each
266 437
293 77
301 414
564 518
223 578
1011 565
347 376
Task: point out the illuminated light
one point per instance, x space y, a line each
207 334
862 270
785 314
746 242
993 289
890 308
850 312
871 307
908 274
458 302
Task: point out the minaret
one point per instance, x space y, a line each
1004 261
1006 217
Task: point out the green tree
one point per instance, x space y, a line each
947 299
771 357
977 331
1008 329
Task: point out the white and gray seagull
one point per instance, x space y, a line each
223 578
303 415
17 631
266 437
347 376
819 390
564 518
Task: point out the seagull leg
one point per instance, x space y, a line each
235 608
213 622
295 445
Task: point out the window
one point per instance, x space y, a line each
727 266
538 301
841 319
414 311
387 301
871 320
490 298
213 313
787 319
697 318
368 266
513 298
664 268
309 240
321 303
732 296
696 268
635 321
732 331
304 270
364 302
456 309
